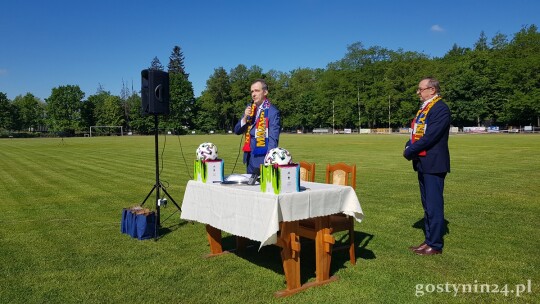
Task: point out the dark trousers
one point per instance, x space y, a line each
431 193
253 162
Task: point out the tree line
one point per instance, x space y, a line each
495 82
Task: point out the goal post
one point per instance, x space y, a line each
106 127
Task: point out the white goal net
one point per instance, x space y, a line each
106 130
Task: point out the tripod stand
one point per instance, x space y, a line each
158 186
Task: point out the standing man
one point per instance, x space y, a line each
260 123
428 150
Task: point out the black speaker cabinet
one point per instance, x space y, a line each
155 92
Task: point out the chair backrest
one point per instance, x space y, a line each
341 174
307 171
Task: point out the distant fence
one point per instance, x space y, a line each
382 130
453 130
321 131
497 129
474 129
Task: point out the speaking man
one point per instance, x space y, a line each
261 124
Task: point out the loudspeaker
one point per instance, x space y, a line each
155 92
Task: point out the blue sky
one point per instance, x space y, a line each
46 44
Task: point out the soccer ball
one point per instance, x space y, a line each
277 156
207 151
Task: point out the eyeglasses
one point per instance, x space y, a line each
422 90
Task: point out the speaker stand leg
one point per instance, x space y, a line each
158 185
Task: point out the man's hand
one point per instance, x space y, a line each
407 144
404 154
247 114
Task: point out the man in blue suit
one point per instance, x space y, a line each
428 150
261 124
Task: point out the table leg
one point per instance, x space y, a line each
289 242
214 238
323 248
290 254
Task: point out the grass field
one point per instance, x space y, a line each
61 203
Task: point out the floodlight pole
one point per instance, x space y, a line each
358 99
389 128
333 127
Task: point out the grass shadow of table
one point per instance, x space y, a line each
269 257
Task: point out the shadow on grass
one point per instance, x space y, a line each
270 256
420 224
168 226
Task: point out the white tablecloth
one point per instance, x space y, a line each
245 211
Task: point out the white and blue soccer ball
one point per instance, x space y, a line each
277 156
207 151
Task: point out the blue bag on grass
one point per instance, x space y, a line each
123 223
138 222
146 225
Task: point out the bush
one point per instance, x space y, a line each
8 134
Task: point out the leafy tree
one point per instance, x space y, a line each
499 42
138 122
6 112
108 109
87 113
456 52
97 102
299 99
459 93
402 75
279 93
220 91
358 57
181 103
240 82
112 113
30 111
215 102
240 79
176 62
182 110
64 109
481 44
494 82
125 94
204 121
523 78
156 64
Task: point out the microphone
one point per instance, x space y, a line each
250 105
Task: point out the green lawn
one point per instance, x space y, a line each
61 203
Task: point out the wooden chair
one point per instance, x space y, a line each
343 174
307 171
339 174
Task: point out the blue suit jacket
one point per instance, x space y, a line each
434 142
274 121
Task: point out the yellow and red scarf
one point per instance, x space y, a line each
261 132
419 123
246 147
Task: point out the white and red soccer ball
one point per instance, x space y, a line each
207 151
278 156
